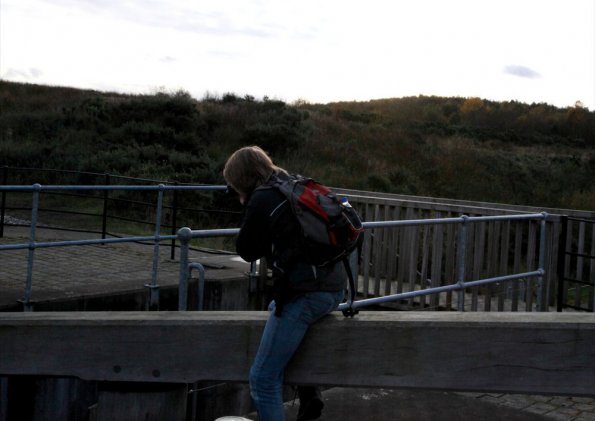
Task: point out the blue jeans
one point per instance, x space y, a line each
281 338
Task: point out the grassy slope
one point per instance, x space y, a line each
449 147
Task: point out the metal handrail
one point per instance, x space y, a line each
461 285
158 187
185 234
580 279
32 245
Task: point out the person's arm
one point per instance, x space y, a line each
254 239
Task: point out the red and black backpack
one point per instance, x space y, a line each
331 229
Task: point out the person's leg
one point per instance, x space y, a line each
279 340
282 336
305 393
310 403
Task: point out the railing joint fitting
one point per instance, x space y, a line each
185 234
27 304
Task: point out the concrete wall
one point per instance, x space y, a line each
498 352
128 365
66 398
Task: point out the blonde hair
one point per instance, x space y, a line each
249 167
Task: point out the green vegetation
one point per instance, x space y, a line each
461 148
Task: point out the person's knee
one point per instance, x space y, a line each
254 383
257 379
262 380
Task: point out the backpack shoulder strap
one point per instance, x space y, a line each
350 311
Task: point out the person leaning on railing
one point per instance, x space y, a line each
269 229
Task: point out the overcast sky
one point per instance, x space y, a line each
313 50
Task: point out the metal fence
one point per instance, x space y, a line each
377 253
459 284
133 207
576 264
395 259
156 239
401 259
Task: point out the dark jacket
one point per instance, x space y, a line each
269 229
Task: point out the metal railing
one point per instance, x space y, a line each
576 264
186 234
157 238
109 207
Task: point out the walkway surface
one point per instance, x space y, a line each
62 273
408 405
69 272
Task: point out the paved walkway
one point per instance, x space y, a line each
62 273
68 272
404 405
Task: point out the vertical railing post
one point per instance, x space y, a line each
174 212
354 264
184 235
561 266
3 201
27 305
201 284
462 249
154 288
541 300
104 215
253 279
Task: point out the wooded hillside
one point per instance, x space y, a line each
461 148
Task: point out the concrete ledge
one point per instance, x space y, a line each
537 353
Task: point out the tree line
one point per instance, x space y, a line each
461 148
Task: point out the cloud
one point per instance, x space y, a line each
521 71
232 18
21 75
204 18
